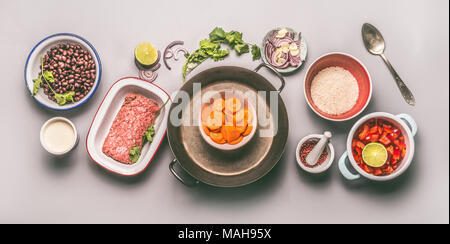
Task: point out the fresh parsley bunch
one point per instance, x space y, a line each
210 48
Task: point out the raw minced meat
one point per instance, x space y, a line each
135 116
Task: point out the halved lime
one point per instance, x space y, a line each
375 154
145 54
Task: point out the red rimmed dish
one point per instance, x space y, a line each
104 118
359 72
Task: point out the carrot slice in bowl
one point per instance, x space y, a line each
236 141
241 126
215 120
232 105
229 119
248 115
206 130
217 137
248 130
230 133
218 105
240 115
206 112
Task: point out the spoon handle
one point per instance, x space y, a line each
406 93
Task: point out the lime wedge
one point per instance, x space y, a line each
146 54
375 154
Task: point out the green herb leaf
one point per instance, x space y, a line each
256 52
193 61
36 85
220 54
233 38
48 75
150 133
62 99
211 49
241 48
208 45
135 153
217 35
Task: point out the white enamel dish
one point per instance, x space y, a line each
33 63
105 116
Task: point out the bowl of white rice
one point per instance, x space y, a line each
337 86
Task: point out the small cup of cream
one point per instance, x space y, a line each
58 136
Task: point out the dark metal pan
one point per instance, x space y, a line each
227 169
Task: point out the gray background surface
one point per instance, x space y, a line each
36 188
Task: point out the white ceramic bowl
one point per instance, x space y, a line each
399 122
320 168
106 114
44 145
226 146
33 64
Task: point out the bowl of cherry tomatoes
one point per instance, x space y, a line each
380 147
228 120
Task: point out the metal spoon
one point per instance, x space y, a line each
374 42
315 153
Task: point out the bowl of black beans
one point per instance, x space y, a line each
63 71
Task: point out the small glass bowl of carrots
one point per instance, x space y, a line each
228 122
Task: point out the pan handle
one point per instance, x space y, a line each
190 183
275 72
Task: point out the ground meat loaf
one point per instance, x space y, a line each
135 116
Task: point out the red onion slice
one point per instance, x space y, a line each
148 75
172 53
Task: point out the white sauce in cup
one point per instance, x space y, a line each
58 136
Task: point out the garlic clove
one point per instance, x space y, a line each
295 52
281 33
293 46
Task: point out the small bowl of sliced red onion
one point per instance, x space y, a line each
284 49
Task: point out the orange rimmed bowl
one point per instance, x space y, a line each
356 68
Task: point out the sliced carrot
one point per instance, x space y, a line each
232 105
236 141
248 130
218 104
241 123
230 133
206 130
229 119
215 120
248 115
215 131
206 111
240 115
242 128
217 137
